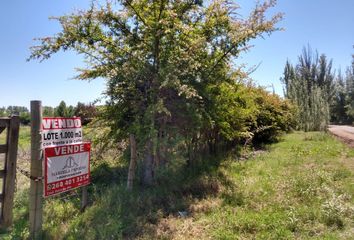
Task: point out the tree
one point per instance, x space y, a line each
87 112
310 85
25 118
3 112
21 111
17 110
48 111
63 111
60 111
338 105
160 60
349 78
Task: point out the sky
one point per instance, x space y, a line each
327 26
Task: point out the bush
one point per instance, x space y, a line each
241 112
25 118
274 116
86 111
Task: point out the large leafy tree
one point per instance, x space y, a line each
164 61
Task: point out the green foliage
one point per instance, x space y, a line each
63 111
60 111
87 112
349 100
338 105
21 111
310 85
341 104
16 110
3 112
48 111
169 72
241 112
25 118
274 117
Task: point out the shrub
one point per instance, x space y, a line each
274 116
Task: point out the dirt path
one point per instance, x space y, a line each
345 133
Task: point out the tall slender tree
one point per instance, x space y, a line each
338 104
349 79
310 85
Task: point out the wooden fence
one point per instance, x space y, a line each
8 173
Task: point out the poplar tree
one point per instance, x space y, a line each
338 105
310 85
349 80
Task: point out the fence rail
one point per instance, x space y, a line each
8 173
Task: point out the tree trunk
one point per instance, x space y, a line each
132 165
161 149
148 164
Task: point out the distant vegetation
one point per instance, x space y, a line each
86 111
321 94
16 110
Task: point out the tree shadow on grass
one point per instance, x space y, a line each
116 213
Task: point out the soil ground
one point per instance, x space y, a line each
345 133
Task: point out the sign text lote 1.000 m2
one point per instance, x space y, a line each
69 134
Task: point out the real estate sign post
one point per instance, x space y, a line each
66 157
66 164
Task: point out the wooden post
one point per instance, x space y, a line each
132 165
10 170
36 187
84 198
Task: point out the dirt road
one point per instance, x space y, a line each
345 133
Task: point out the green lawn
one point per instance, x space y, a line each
24 138
299 188
302 188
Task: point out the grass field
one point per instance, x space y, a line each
24 138
299 188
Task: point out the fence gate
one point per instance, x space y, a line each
8 156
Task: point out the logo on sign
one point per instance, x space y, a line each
70 163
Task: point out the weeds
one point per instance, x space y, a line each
299 188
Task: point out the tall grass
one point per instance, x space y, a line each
299 188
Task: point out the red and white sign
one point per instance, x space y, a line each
66 167
60 131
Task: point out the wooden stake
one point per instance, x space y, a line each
36 187
10 170
84 198
132 165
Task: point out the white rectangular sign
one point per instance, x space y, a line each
60 131
66 167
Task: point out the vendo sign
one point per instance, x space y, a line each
61 131
66 167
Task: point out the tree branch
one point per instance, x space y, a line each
129 3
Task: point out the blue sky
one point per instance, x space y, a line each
327 26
